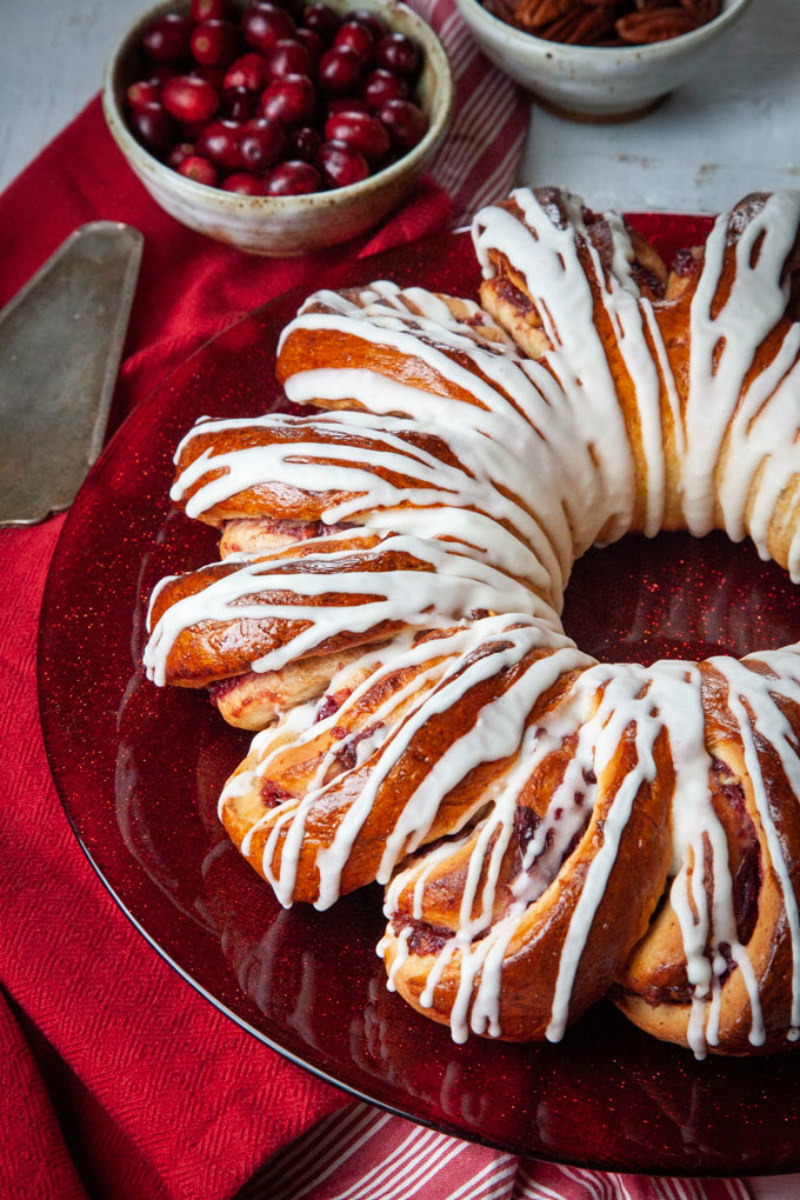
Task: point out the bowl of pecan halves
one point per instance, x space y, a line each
601 60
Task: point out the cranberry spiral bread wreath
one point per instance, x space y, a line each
385 615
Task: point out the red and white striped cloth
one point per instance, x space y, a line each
361 1153
480 156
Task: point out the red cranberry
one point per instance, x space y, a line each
293 178
370 21
215 43
260 143
341 165
219 141
190 133
290 101
195 167
178 153
143 92
213 75
249 71
340 70
398 53
340 104
244 184
405 121
312 42
212 10
159 75
357 37
154 127
264 24
323 20
293 7
189 99
303 143
166 39
288 57
359 131
382 85
238 103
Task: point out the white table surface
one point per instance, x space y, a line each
732 132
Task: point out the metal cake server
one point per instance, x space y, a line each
61 339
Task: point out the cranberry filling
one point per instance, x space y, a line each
744 862
513 296
347 755
685 264
529 824
526 822
745 858
672 994
221 687
302 531
330 703
272 794
647 281
424 938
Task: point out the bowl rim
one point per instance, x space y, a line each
561 50
190 189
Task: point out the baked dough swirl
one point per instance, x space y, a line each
385 616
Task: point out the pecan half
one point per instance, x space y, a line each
594 25
535 14
606 22
659 25
702 10
562 29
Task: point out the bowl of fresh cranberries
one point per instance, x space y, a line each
277 126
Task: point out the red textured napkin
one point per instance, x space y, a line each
119 1080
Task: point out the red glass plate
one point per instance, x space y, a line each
139 768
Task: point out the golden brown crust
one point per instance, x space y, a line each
654 990
282 501
253 700
294 765
505 295
209 650
531 962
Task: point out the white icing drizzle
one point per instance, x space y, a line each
502 719
543 464
639 695
464 497
456 583
723 348
561 290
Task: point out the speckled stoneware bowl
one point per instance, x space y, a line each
286 225
593 83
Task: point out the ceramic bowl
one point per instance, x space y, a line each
285 225
596 83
